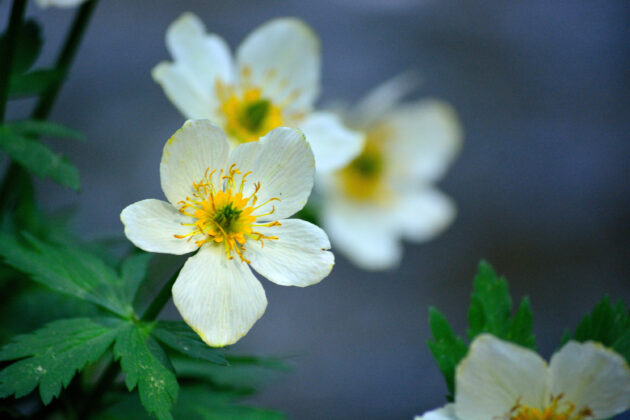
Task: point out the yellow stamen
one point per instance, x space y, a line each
556 410
223 214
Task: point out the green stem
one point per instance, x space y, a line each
13 30
65 58
161 299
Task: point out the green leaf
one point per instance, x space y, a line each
446 347
33 83
65 269
180 337
607 324
144 364
491 307
29 45
196 402
133 271
53 355
43 129
38 158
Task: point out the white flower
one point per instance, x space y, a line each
232 207
386 193
59 3
273 81
502 381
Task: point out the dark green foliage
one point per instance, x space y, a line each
145 364
65 269
29 44
491 307
180 337
608 324
446 347
133 272
53 354
43 129
33 83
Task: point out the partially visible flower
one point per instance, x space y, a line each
59 3
232 208
386 193
273 81
503 381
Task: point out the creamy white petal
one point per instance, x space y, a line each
192 100
59 3
196 147
445 413
425 138
333 144
494 376
283 58
364 233
299 257
207 56
590 375
283 163
423 213
219 298
152 224
382 99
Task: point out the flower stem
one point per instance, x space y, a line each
13 30
161 299
65 58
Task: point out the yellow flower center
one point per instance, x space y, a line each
223 214
362 179
556 410
249 116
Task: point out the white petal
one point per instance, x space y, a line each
424 213
283 163
590 375
333 144
494 376
362 232
283 57
219 298
152 224
197 146
445 413
426 137
299 256
199 60
59 3
382 99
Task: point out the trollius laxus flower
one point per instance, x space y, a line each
273 81
503 381
232 207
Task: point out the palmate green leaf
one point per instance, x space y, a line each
180 337
38 158
145 364
65 269
53 354
33 83
446 347
607 324
29 45
491 307
42 128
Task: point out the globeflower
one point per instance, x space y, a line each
386 194
273 81
232 208
503 381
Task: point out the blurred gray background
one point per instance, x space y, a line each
542 183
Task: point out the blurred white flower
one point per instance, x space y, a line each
59 3
503 381
232 207
386 193
273 81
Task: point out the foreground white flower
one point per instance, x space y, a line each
386 193
59 3
273 82
232 207
502 381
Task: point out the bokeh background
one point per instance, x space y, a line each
542 183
